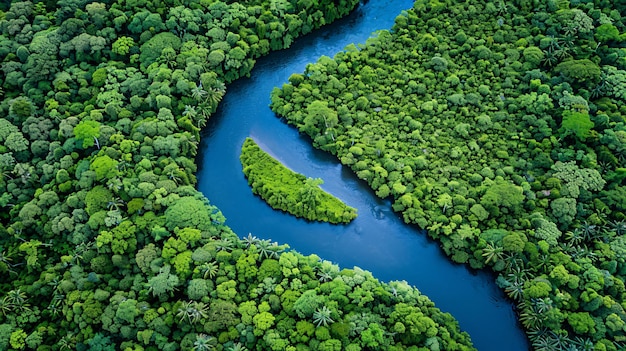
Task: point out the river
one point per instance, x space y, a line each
378 240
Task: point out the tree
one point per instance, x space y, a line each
319 117
163 283
577 124
606 33
105 167
127 311
262 322
151 50
192 312
581 322
564 210
18 339
322 316
533 55
121 239
492 252
545 229
308 303
16 142
189 212
502 194
584 72
204 343
123 45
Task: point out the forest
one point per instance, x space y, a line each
106 244
286 190
498 127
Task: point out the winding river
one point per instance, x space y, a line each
377 240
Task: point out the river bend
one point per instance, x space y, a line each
378 240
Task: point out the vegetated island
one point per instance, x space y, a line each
286 190
498 126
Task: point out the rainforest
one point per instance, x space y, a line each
497 127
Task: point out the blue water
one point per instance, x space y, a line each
378 240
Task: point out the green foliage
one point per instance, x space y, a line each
576 123
286 190
192 212
87 132
584 72
123 45
151 50
512 158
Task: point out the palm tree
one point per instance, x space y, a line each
514 262
115 203
225 244
198 93
589 231
192 311
583 344
619 227
205 112
543 304
550 59
582 251
6 260
56 305
269 249
322 316
237 347
574 237
492 252
68 342
209 270
264 248
215 95
515 290
250 240
198 118
562 52
543 262
204 343
189 143
514 283
530 317
502 8
5 307
17 299
545 343
190 111
324 276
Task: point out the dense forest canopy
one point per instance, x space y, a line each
105 244
498 126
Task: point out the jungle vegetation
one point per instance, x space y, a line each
286 190
500 128
105 244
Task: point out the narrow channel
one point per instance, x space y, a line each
378 240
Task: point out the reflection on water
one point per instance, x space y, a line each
377 240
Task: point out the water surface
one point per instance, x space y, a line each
378 240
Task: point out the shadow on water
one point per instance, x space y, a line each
377 240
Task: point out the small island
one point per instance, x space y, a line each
286 190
